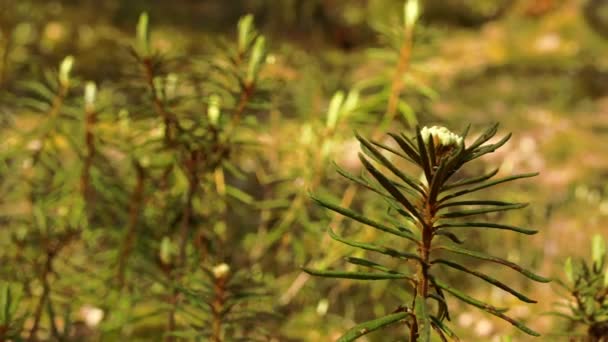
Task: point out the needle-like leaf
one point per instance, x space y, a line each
487 185
374 248
384 161
390 187
354 275
363 219
487 225
485 277
483 256
369 326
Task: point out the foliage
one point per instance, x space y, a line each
80 186
420 212
128 175
586 293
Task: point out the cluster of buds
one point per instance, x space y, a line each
444 141
441 136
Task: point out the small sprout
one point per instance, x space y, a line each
166 250
143 35
244 30
351 102
411 13
568 269
335 106
598 250
322 307
213 111
221 271
64 71
90 94
257 59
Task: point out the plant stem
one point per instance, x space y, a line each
85 178
217 307
159 107
135 207
397 82
46 289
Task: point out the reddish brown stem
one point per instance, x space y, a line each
46 289
397 82
159 107
135 207
217 307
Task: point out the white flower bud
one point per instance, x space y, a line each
441 136
221 270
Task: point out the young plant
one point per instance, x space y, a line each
420 211
586 289
11 324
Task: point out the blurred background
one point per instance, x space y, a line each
539 67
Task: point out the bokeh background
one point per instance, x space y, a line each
539 67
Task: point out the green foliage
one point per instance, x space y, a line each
11 321
423 212
586 293
139 165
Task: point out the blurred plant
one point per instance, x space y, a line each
11 324
139 163
420 211
234 305
586 294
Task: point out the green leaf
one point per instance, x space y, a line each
370 264
483 256
487 149
407 147
475 202
486 225
245 26
467 299
370 185
257 58
487 185
386 183
465 213
392 150
484 277
485 136
369 326
423 320
143 34
598 250
442 305
361 218
449 235
374 248
334 110
569 270
384 161
239 195
354 275
437 322
469 181
424 158
487 308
